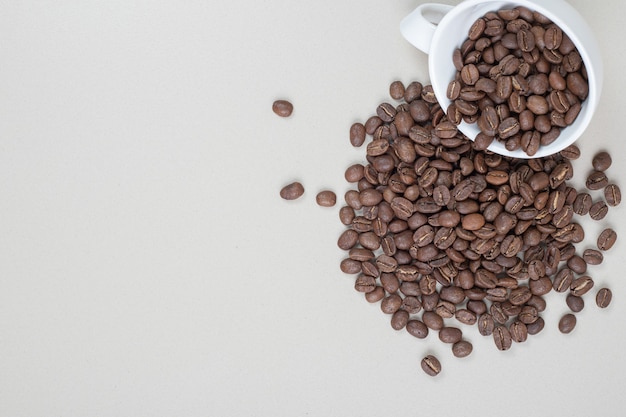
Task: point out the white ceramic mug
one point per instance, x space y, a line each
439 29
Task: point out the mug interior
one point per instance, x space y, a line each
452 31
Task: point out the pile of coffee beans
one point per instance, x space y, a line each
446 235
519 77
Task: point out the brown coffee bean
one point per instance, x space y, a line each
391 304
365 283
612 195
396 90
417 329
357 134
399 319
462 349
567 323
502 338
606 239
431 365
596 180
601 161
598 210
575 303
582 204
535 327
582 285
282 108
593 257
326 198
292 191
450 335
603 297
577 264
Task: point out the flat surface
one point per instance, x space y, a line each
148 266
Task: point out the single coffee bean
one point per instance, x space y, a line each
282 108
357 134
326 198
601 161
432 320
399 319
292 191
582 204
431 365
518 331
535 327
577 264
571 152
593 257
417 329
391 304
603 297
502 338
465 316
597 180
397 90
450 335
607 239
486 324
574 302
567 323
598 210
528 314
612 195
462 349
582 285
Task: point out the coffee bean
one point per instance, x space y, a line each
575 303
431 365
593 257
391 304
607 239
612 195
502 338
518 331
597 180
582 204
536 326
432 320
326 198
399 319
397 90
462 349
603 297
598 210
601 161
450 335
567 323
292 191
582 285
577 264
282 108
417 329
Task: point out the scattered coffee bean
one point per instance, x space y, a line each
357 134
598 210
326 198
292 191
601 161
462 349
431 365
607 239
575 303
597 180
282 108
603 297
612 195
567 323
397 90
593 257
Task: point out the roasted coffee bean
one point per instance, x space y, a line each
282 108
612 195
348 239
593 257
466 316
502 338
365 283
450 335
399 319
567 323
577 264
563 280
582 204
326 198
535 327
606 239
462 349
603 297
432 320
597 180
292 191
518 331
601 161
575 303
528 314
486 324
391 304
582 285
598 210
357 134
431 365
396 90
571 152
417 329
350 266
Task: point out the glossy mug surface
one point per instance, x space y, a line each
439 29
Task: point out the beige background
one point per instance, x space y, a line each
148 267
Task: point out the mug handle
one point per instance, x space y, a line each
419 27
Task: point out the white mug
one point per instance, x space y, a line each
439 29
